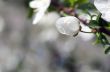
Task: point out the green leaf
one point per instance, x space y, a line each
107 49
86 11
86 6
51 8
82 1
26 3
98 17
93 24
108 28
97 41
102 22
72 2
98 23
30 12
101 38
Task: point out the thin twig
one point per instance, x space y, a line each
86 32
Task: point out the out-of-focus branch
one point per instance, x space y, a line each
71 11
104 30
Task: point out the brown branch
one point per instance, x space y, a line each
104 30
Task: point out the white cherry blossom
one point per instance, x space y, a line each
40 7
104 7
69 25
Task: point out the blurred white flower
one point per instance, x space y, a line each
69 25
48 35
46 22
104 7
9 59
40 7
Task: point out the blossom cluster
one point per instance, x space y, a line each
69 25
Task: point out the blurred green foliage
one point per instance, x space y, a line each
101 25
30 12
75 2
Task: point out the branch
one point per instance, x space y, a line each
104 30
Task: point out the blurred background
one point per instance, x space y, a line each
41 48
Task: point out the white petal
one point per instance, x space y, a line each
40 4
106 16
34 4
104 7
38 16
68 25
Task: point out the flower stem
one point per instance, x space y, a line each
86 32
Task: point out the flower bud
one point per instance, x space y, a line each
69 25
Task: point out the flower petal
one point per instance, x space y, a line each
38 16
40 7
35 4
104 7
39 4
